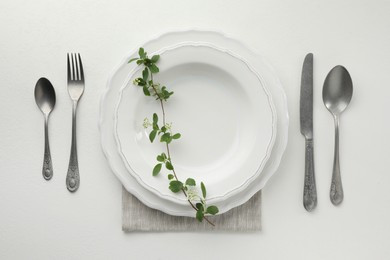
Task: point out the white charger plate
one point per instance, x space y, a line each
110 98
221 107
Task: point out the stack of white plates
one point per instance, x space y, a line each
228 105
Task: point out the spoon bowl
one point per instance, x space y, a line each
336 94
337 91
45 97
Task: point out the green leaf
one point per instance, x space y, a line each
139 82
147 62
199 206
157 169
154 69
199 215
155 58
169 166
131 60
165 137
176 136
146 91
170 176
163 129
145 74
203 189
212 210
139 62
190 182
152 135
141 53
175 186
164 155
155 118
155 126
142 83
165 93
160 158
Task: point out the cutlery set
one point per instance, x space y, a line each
336 94
45 98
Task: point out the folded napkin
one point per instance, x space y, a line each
138 217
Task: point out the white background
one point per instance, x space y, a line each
42 220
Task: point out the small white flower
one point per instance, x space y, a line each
192 193
168 126
157 89
136 81
146 123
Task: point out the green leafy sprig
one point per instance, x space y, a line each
164 133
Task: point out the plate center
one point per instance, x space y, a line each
205 109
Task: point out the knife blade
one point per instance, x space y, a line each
306 118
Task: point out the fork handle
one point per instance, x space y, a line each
73 176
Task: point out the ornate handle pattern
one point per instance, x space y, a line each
47 168
310 190
73 176
336 187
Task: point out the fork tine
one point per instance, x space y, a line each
69 77
76 67
81 69
73 67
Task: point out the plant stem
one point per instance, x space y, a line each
169 153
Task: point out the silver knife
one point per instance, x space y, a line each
306 115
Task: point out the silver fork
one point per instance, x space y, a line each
76 90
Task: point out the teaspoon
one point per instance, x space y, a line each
45 97
336 94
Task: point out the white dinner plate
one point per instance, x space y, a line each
221 107
120 76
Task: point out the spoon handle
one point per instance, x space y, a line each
47 168
310 190
73 176
336 187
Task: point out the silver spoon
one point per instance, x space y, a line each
45 97
337 94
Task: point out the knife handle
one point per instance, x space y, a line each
309 190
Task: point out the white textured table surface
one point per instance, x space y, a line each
42 220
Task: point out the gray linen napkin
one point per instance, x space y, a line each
138 217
